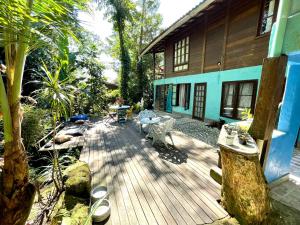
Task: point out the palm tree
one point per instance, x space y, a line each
25 25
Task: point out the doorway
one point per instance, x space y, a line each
199 101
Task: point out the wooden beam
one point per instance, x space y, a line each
204 44
269 97
225 34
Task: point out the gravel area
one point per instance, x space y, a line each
195 129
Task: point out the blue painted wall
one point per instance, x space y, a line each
214 87
284 138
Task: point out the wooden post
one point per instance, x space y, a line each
269 96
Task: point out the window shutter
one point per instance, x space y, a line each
177 95
187 96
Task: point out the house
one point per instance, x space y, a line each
208 63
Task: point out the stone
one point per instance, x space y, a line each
62 138
78 180
80 215
226 221
216 173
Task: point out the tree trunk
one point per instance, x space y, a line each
245 194
125 61
17 194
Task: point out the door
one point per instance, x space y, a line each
169 98
199 101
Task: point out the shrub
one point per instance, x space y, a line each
34 125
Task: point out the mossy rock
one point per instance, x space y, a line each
226 221
80 215
78 180
71 201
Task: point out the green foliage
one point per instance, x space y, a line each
91 91
246 114
56 92
119 12
143 25
34 125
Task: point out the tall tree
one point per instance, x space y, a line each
144 25
119 11
25 26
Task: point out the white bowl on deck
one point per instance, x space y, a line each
99 193
101 210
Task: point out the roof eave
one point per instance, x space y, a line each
177 24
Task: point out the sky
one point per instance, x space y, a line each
171 10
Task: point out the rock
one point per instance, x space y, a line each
216 173
80 215
62 138
78 180
226 221
72 201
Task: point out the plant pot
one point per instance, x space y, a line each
229 139
242 141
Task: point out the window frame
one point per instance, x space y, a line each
182 54
236 97
261 16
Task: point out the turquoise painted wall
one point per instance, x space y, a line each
284 138
214 82
291 41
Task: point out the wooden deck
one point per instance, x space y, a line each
149 185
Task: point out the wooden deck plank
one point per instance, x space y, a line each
187 209
146 189
188 182
167 206
145 200
207 214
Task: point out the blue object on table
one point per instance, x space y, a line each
79 117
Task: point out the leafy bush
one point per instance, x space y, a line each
112 95
137 107
34 125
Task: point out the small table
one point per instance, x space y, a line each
149 122
121 111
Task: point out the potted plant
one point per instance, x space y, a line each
243 134
230 134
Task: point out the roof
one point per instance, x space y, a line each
194 13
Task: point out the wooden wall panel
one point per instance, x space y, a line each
241 49
214 48
196 43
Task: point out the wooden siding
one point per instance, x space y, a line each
228 36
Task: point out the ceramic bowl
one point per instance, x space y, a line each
98 193
100 210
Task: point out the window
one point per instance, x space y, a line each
238 96
181 55
181 95
267 17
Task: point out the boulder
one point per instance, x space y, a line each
78 180
62 138
80 214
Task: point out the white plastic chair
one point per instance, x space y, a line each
145 114
159 132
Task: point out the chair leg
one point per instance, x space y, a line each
171 139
